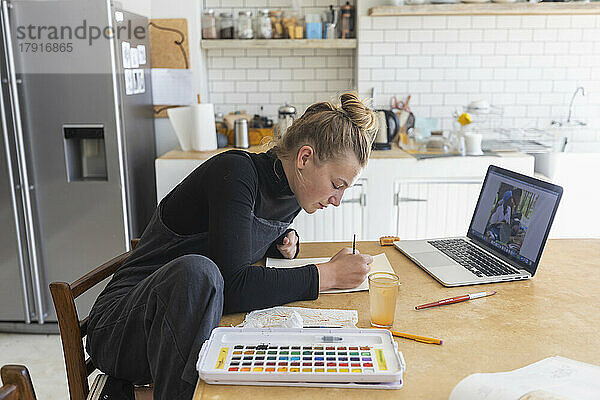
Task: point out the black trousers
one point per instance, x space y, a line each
154 332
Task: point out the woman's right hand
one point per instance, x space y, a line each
344 271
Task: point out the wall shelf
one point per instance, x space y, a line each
571 8
278 44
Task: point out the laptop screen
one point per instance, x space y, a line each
513 216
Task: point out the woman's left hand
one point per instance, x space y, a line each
288 248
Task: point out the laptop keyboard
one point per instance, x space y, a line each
472 258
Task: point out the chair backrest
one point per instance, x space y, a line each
72 329
17 383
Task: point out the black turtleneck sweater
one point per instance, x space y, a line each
220 197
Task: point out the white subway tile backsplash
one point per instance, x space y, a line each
444 61
245 62
443 86
395 36
433 48
558 21
435 22
325 73
257 74
364 24
470 35
301 74
246 86
388 74
234 74
541 86
395 61
533 21
295 62
450 35
493 61
409 49
483 21
382 49
520 35
424 35
459 22
495 35
420 61
269 62
371 36
468 61
236 98
221 62
583 21
370 61
410 22
529 65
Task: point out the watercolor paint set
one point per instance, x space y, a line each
325 357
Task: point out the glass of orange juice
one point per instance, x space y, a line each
383 292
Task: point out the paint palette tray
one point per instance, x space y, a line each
325 357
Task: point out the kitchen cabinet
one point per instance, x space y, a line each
336 224
446 189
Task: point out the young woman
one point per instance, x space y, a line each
195 259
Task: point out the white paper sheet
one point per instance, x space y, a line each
172 87
380 264
562 377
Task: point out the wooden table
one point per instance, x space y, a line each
555 313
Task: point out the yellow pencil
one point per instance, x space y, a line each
422 339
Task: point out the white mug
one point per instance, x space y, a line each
473 144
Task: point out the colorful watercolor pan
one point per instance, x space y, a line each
302 357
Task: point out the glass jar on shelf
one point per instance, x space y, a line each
226 25
276 17
264 29
244 25
209 25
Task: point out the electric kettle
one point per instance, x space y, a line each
387 129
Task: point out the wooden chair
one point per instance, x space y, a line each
73 330
17 383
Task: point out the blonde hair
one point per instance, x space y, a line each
331 131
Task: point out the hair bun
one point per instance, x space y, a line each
357 111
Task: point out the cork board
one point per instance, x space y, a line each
169 48
169 43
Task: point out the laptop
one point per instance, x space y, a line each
506 236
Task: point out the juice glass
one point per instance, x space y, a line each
383 292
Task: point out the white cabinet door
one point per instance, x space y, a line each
432 208
335 223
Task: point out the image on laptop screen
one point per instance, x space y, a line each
513 216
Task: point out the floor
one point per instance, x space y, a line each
42 355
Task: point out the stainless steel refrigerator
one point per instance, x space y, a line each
77 149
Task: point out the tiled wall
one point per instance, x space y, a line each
247 79
528 65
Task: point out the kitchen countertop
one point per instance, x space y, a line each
394 153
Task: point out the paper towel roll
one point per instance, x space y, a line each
204 133
181 119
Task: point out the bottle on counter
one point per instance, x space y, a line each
209 25
244 25
226 25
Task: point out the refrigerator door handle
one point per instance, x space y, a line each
13 189
22 161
